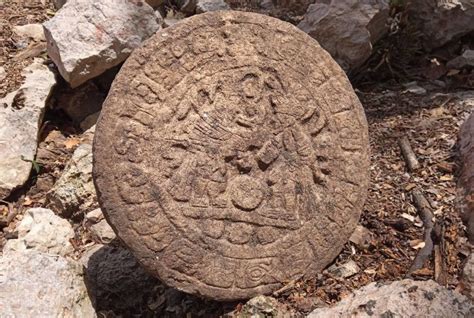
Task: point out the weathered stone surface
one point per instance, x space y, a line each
42 231
58 4
346 28
103 232
21 115
33 284
441 21
87 37
33 31
263 306
116 279
464 60
211 5
467 280
233 158
405 298
74 191
81 102
465 185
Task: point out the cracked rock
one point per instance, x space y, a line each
87 37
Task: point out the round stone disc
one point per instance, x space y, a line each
231 155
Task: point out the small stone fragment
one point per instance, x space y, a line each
94 216
361 236
87 37
44 231
21 115
103 232
466 59
203 6
405 298
35 284
344 270
263 306
347 29
31 31
75 191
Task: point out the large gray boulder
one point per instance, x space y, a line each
74 191
347 29
21 115
87 37
43 231
405 298
441 21
34 284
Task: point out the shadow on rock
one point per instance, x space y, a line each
119 286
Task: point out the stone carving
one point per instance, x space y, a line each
231 155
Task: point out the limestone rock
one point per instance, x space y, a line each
405 298
21 115
81 102
211 5
441 21
3 73
99 227
263 306
43 231
58 4
74 191
87 37
467 280
34 284
466 59
347 29
465 186
116 278
32 31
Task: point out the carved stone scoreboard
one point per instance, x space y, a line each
231 155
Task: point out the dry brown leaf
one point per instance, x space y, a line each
71 142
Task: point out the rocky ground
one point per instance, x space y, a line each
421 95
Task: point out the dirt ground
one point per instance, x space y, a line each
430 120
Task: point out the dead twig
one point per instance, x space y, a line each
424 211
408 154
285 288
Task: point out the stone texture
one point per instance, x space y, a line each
233 158
465 185
33 31
58 4
74 191
405 298
464 60
467 280
43 231
116 279
263 306
211 5
347 29
87 37
81 102
102 232
441 21
33 284
21 115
